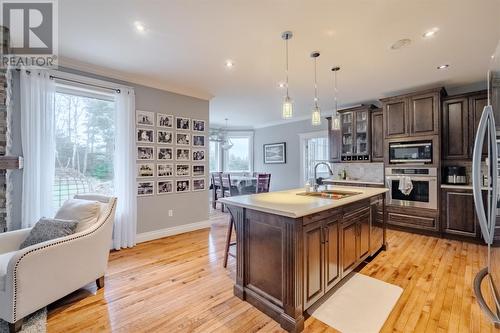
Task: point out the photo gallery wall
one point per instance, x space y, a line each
171 149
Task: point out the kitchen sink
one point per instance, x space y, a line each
330 194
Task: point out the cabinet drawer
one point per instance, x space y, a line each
412 221
355 215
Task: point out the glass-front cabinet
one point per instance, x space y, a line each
355 133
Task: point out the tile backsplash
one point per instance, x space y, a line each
372 172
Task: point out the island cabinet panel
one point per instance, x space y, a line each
363 246
377 234
332 251
349 256
314 262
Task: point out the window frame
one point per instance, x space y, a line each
225 153
303 137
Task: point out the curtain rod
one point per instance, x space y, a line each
52 77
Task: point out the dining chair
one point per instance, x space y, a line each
263 182
217 191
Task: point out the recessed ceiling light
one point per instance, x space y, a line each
492 56
229 64
139 26
443 66
430 33
401 43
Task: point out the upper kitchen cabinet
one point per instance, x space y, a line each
461 114
377 135
353 141
415 114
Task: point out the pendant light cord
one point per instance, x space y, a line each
335 90
286 70
315 85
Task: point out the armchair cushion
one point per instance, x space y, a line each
86 212
4 262
47 229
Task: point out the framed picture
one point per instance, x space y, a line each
145 153
182 185
164 137
198 184
198 170
182 170
165 154
165 187
275 153
183 154
145 170
183 139
182 124
198 125
198 140
145 135
144 118
165 170
145 189
164 120
198 155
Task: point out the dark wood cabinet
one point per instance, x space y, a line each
377 232
458 213
321 258
416 114
377 136
456 129
355 238
334 142
461 115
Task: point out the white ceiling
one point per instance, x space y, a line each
186 43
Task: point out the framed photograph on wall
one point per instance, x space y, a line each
145 153
183 154
164 120
199 184
164 137
182 124
198 155
182 170
145 135
275 153
182 139
165 187
182 185
198 125
198 170
144 118
145 189
145 170
165 170
198 140
165 154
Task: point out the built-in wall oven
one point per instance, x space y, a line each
423 192
415 152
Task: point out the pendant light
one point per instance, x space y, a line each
227 143
287 107
316 112
335 115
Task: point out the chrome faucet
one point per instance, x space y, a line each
315 183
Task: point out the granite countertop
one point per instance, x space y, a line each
353 181
289 204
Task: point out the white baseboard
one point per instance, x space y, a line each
157 234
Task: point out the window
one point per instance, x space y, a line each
214 157
314 147
239 158
85 135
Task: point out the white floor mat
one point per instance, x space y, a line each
361 305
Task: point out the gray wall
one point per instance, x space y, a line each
283 176
152 212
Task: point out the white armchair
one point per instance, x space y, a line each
43 273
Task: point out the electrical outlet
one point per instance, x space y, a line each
170 212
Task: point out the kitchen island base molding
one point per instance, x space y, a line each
285 264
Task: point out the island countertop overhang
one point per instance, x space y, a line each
288 203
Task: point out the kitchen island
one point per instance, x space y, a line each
293 247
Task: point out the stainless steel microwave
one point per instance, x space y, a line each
417 152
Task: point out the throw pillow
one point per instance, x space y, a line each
86 212
47 229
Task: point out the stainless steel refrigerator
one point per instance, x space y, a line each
486 195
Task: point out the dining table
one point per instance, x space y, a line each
243 182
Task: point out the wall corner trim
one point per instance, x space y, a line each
161 233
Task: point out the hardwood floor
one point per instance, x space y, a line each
177 284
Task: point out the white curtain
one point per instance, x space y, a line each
38 144
124 232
